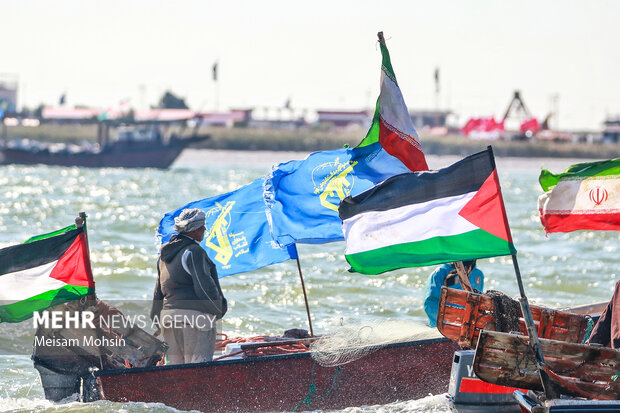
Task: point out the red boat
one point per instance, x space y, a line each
400 371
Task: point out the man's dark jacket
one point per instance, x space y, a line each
187 279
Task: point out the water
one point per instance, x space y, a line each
124 208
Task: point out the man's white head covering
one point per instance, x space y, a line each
189 220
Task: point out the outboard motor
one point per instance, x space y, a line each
470 394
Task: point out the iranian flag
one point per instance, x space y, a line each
391 124
45 271
584 196
424 218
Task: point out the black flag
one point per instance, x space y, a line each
215 71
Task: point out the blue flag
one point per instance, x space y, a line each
303 196
238 237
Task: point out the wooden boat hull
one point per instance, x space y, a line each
463 315
129 155
400 371
574 369
530 405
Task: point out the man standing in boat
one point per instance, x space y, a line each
447 275
188 299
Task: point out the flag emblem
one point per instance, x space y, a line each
337 183
220 216
598 195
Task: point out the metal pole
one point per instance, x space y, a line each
525 306
79 223
531 332
303 287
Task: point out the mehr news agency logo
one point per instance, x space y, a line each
85 321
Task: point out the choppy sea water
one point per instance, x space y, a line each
124 207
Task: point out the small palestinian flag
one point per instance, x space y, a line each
584 196
45 271
424 218
392 124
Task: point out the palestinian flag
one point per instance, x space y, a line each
392 125
424 218
584 196
45 271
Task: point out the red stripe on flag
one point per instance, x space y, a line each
486 209
469 385
573 222
402 146
73 267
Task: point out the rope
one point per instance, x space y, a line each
312 388
588 329
269 350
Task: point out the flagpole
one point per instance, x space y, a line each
79 223
531 332
303 287
525 306
217 91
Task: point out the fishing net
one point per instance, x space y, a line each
346 343
507 311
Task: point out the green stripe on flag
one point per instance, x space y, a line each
386 66
50 234
373 133
386 63
470 245
23 310
580 171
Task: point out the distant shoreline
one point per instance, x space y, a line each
310 141
265 159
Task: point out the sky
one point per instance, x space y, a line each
563 56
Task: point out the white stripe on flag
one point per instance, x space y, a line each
417 222
598 195
393 109
21 285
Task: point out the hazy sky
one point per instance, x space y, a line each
320 54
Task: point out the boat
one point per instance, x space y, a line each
582 377
132 148
286 382
530 403
463 315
